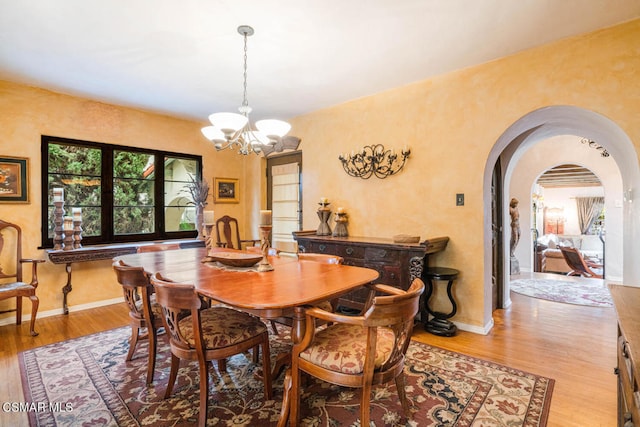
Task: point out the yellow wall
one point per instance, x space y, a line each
451 123
27 113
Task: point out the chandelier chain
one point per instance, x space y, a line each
245 100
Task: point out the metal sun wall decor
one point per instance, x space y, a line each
374 160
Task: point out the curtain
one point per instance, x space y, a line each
589 209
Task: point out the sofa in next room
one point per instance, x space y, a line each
552 261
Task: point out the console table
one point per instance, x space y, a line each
397 263
100 252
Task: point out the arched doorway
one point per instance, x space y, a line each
546 123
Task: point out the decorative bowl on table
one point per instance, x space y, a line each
235 259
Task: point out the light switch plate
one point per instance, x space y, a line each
460 199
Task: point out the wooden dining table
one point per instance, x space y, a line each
282 291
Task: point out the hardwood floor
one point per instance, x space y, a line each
575 345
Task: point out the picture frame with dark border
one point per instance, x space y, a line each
14 179
225 190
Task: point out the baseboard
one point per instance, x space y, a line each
11 318
475 329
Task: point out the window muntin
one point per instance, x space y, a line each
123 191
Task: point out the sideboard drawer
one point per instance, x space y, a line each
319 248
350 251
381 254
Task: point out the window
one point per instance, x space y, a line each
125 194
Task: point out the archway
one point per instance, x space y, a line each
564 120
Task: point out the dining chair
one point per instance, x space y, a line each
324 305
158 247
144 312
12 285
228 234
358 351
258 250
327 259
579 266
207 334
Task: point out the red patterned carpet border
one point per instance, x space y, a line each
86 381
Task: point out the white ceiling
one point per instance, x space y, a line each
185 58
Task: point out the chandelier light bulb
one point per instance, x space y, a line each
213 134
274 129
228 123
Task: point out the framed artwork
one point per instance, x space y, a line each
14 180
225 190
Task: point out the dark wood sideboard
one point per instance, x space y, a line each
397 263
627 300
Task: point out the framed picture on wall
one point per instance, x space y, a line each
14 180
225 190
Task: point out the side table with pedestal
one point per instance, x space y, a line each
439 323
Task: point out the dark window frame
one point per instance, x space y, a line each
107 203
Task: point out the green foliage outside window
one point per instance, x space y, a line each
119 188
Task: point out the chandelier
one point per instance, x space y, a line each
374 160
234 131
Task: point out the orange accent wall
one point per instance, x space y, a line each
450 122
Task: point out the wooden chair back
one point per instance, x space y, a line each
136 287
137 290
578 265
15 234
12 283
158 247
228 233
395 309
325 258
176 299
258 250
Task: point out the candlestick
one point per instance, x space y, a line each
264 264
58 233
68 233
77 233
340 229
209 217
265 218
58 194
77 214
324 213
208 239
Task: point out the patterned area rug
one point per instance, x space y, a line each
86 381
583 292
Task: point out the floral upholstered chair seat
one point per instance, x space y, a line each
342 347
222 327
